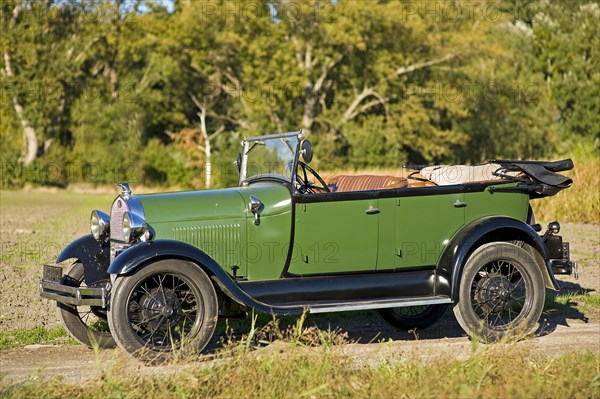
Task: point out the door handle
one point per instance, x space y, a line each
460 204
372 211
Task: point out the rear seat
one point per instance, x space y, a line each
344 183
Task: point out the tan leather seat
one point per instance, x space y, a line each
421 183
344 183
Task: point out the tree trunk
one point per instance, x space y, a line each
207 149
29 134
113 74
310 103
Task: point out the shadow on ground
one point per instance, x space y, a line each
366 327
556 313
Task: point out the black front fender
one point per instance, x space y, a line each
142 254
485 230
94 255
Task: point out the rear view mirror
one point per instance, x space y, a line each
306 151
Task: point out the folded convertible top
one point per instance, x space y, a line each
544 179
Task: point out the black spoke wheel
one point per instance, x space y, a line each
501 292
86 324
413 317
168 308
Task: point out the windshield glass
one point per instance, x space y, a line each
270 157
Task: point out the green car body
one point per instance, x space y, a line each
329 237
282 244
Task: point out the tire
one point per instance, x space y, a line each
86 324
413 317
501 292
166 310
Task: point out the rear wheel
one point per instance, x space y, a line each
87 324
501 292
167 309
413 317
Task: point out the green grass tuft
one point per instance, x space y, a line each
37 335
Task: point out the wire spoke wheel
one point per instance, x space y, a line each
165 310
86 324
501 292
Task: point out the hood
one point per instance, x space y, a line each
192 205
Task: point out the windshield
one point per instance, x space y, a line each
269 156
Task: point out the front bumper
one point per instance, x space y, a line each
51 288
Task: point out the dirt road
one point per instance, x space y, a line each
77 364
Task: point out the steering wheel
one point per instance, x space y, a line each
308 187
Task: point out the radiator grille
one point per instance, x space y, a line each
119 208
221 242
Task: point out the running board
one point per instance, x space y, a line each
390 303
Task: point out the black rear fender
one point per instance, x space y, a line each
491 229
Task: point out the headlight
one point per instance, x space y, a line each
99 225
133 227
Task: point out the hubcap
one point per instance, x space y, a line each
163 303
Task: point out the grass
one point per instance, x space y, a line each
301 373
37 335
587 301
581 202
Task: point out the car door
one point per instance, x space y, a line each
425 223
334 233
268 230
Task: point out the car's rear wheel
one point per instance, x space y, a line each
86 324
167 309
501 292
413 317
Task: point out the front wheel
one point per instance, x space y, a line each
87 324
413 317
167 309
501 292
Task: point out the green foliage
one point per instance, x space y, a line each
374 84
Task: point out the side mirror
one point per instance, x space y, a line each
306 151
238 164
255 207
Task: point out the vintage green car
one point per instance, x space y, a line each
160 269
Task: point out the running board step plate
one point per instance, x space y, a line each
390 303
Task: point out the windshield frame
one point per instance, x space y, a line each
247 146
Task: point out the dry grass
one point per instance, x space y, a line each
579 203
494 371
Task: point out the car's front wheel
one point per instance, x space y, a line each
86 324
501 292
168 308
413 317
